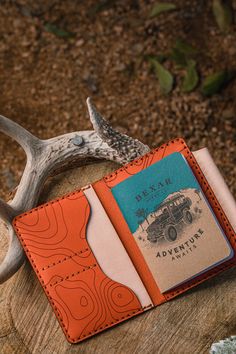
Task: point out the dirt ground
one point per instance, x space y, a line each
46 78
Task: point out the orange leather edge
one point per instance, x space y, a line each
103 187
84 299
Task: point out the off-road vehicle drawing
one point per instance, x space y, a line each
168 215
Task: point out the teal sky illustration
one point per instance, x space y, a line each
148 188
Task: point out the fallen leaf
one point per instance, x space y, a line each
165 78
191 78
161 57
185 47
59 32
223 14
216 81
178 57
181 52
161 7
99 6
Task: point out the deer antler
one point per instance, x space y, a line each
48 157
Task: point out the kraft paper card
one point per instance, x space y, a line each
172 222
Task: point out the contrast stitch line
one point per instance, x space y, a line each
86 187
213 273
73 274
55 307
119 170
212 197
139 310
64 259
227 227
51 202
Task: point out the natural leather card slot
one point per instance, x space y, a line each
119 223
58 238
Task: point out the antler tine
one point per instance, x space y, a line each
47 157
7 213
126 147
14 257
15 254
19 134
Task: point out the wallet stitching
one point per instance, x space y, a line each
226 223
139 310
181 290
214 199
74 274
45 287
64 259
56 200
163 146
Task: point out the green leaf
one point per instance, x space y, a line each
165 78
99 6
59 32
179 58
223 15
181 52
191 78
216 81
185 47
161 7
161 58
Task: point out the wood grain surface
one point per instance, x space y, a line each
188 324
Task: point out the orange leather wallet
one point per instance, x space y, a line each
86 259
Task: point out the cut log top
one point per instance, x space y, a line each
188 324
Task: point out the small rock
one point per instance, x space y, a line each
118 29
79 42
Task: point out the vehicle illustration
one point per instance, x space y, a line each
167 216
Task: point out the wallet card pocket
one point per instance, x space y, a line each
85 299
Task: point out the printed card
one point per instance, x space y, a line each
172 222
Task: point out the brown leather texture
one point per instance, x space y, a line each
85 300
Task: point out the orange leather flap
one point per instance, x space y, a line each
85 300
